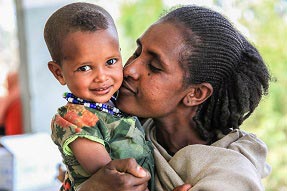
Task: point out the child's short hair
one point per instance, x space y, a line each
71 18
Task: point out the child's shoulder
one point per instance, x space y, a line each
69 107
76 113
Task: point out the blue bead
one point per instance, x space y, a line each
98 106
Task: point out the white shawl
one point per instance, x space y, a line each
234 163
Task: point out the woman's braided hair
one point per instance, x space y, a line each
215 52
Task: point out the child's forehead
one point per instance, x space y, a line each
76 32
82 42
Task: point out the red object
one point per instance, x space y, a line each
13 118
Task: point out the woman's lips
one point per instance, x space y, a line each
127 87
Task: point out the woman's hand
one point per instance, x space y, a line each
184 187
118 175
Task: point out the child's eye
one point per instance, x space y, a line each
84 68
111 61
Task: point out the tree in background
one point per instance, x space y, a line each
135 18
267 21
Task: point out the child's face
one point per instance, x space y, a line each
91 65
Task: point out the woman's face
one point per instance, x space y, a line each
153 83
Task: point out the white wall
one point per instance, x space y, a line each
41 92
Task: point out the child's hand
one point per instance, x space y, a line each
184 187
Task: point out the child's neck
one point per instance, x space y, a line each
105 107
110 103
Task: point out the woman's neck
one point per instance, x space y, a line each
176 131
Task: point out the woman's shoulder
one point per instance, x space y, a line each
249 146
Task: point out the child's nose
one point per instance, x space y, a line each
100 75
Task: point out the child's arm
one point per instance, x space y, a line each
91 155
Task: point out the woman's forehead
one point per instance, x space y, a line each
163 31
164 38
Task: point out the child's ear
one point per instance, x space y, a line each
198 94
57 72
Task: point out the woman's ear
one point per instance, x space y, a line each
57 72
198 94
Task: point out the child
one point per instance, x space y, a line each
89 131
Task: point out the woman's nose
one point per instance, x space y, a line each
131 69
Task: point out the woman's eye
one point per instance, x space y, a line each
112 61
153 68
84 68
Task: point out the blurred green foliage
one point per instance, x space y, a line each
269 29
135 18
266 21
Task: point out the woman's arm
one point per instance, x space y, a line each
118 175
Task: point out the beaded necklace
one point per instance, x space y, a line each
98 106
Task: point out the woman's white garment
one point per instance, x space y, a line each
237 162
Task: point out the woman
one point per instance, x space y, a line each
198 79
